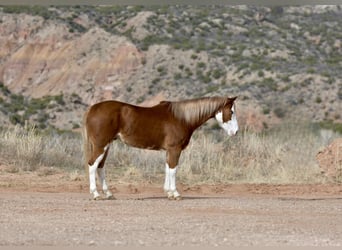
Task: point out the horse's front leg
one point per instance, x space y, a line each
170 174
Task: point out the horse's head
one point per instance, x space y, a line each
226 117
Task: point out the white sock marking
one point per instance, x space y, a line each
167 178
92 180
173 179
170 182
92 173
102 176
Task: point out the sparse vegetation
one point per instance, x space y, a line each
22 110
35 10
329 124
285 154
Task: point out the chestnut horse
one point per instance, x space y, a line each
165 126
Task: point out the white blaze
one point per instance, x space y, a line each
231 126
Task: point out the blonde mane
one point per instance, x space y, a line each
192 111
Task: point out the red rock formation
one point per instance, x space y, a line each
330 159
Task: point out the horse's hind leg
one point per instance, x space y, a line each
102 176
100 154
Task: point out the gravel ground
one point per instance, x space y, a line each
33 218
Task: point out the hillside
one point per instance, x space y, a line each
282 62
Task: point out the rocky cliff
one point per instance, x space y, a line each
282 62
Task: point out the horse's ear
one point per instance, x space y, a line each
232 99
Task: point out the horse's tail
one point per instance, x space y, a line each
87 146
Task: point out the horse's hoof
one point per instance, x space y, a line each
110 197
178 198
175 198
97 198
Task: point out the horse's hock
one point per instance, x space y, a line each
330 160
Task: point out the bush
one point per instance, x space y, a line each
201 65
328 124
4 89
16 119
279 112
177 76
217 73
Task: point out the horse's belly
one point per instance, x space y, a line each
138 142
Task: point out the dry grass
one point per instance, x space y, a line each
28 150
284 155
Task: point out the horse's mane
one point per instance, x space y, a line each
192 111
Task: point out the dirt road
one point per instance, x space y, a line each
233 215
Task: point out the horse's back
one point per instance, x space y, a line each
105 106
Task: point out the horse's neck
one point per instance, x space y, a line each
196 112
203 119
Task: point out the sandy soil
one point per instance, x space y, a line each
55 210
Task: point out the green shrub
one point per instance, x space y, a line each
217 73
194 57
16 119
177 76
261 73
4 89
201 65
328 124
279 112
266 110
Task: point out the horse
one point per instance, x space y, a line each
166 126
